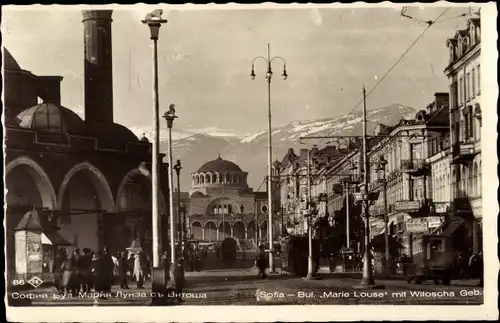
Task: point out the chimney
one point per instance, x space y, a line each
49 89
441 99
303 154
98 67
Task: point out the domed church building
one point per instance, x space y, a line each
71 181
223 205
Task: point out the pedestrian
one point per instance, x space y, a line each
78 279
108 269
480 269
59 259
85 268
69 269
99 275
122 270
262 261
130 265
138 271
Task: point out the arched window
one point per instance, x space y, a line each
214 179
197 179
208 178
202 179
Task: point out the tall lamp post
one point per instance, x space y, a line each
154 22
367 281
269 75
177 168
310 212
170 117
382 167
242 208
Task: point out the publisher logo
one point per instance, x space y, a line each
35 282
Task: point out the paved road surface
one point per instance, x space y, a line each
243 287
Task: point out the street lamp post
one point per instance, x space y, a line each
310 265
170 117
242 208
178 168
382 167
367 281
159 275
269 75
154 22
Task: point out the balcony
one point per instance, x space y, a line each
462 207
378 210
415 167
463 152
441 207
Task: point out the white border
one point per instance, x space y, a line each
488 311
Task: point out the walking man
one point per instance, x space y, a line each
122 270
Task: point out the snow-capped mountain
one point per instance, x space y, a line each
249 151
185 133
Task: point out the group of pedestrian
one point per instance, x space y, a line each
81 272
95 271
470 265
194 259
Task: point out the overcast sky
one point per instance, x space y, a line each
205 60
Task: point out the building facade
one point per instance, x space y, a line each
89 178
222 205
464 75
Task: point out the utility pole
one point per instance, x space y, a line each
310 267
348 237
367 279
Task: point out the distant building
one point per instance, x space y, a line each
464 75
294 184
221 205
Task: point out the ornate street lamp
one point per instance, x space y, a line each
170 117
242 208
159 275
178 168
154 22
269 75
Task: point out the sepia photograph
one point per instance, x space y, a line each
200 155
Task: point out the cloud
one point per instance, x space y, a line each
178 57
316 17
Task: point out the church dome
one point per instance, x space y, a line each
219 165
48 117
111 134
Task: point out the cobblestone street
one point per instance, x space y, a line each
243 287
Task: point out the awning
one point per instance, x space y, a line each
452 224
55 239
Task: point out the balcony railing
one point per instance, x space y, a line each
442 207
415 167
463 151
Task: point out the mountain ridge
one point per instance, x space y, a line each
194 147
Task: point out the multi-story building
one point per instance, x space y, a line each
408 184
464 75
295 177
